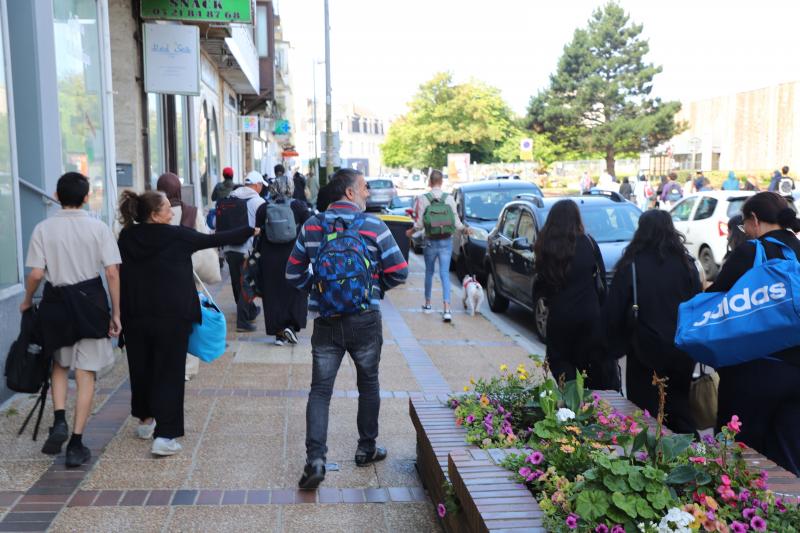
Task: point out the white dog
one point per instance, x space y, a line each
473 294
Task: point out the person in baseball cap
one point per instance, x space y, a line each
224 188
254 178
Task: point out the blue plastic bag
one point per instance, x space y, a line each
207 340
759 316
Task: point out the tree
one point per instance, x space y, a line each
599 97
447 118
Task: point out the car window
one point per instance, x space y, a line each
706 208
682 211
486 205
610 223
509 222
735 206
526 227
401 201
380 184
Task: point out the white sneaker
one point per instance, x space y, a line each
162 446
447 317
427 309
290 336
145 431
278 341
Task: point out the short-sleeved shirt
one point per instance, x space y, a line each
72 247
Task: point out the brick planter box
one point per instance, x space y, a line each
490 500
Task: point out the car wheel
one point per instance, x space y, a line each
540 313
497 303
709 265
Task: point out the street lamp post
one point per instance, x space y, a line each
328 121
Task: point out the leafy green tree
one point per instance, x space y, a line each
447 118
599 97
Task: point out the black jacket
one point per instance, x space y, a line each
70 313
741 260
156 277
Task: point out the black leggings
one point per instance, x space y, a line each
156 349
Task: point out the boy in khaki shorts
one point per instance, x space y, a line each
69 251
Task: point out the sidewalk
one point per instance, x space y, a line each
245 430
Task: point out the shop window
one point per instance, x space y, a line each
9 266
155 133
78 72
182 139
262 42
355 125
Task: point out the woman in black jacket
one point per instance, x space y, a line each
666 276
568 263
764 393
159 304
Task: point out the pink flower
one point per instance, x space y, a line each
725 479
647 414
601 528
634 429
525 471
603 420
618 529
470 419
735 425
441 509
738 527
749 513
572 521
758 523
698 460
535 458
534 475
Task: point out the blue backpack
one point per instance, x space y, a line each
343 269
759 316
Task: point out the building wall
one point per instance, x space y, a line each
125 61
753 130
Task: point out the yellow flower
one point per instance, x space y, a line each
597 445
523 377
466 389
573 429
472 381
503 367
567 448
484 400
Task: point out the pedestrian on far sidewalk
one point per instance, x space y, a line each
246 313
672 192
224 188
435 215
568 264
355 261
159 305
299 187
285 307
70 251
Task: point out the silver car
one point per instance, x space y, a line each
381 193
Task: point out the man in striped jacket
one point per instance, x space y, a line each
359 334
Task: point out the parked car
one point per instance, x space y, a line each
381 193
415 181
479 205
607 217
400 205
703 219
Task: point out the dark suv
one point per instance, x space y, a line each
607 217
479 205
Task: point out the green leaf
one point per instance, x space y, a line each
620 468
636 480
604 461
702 478
591 504
639 441
643 508
590 474
660 499
681 475
625 502
617 516
541 429
674 445
651 473
616 484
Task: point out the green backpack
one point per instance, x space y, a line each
438 218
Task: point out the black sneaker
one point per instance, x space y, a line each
255 314
245 328
365 459
313 475
77 455
59 433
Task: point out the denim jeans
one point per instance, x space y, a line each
245 312
361 336
441 249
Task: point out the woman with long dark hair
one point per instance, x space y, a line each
764 393
666 276
568 262
159 304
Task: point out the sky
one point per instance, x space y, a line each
381 51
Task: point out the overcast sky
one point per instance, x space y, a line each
382 50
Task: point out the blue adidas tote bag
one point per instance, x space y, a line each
207 340
759 316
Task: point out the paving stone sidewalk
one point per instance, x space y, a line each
245 430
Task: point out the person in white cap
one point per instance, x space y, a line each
246 313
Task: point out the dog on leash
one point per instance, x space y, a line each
473 294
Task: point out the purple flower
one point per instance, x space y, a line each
641 456
572 521
709 439
710 515
738 527
601 528
525 472
470 419
453 403
748 513
618 529
535 458
441 509
758 523
744 495
535 475
500 409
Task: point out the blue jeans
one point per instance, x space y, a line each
441 249
362 337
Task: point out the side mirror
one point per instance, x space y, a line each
521 243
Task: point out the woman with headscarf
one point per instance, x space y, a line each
731 184
285 307
205 262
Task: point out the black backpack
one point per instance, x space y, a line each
231 213
27 366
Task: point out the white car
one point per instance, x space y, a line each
703 218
